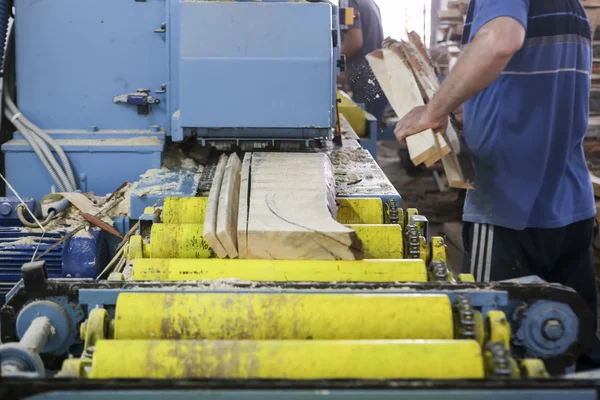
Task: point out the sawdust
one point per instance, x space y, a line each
84 233
128 272
24 241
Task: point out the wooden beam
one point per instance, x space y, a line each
229 199
210 221
290 215
243 206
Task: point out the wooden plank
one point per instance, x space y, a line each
210 222
292 203
406 96
443 150
243 206
454 173
229 199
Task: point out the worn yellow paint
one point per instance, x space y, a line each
438 249
280 270
135 248
179 241
289 316
466 278
360 211
184 210
308 359
534 368
499 328
356 116
380 241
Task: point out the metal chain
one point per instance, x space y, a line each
465 318
393 211
439 271
500 361
413 244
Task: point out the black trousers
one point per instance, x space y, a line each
562 255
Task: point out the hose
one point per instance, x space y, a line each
25 222
46 138
48 163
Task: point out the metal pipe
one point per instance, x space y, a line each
37 335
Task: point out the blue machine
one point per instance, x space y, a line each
119 78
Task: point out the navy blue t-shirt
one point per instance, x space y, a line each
526 130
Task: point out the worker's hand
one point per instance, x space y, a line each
416 121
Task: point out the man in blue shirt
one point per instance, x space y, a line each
524 80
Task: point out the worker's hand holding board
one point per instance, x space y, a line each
404 76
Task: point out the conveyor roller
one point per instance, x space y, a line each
308 359
280 270
263 316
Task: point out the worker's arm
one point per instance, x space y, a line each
352 43
480 65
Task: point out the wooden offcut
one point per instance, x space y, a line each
210 222
227 214
242 222
291 207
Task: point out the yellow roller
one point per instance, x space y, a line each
306 359
280 270
179 241
184 210
264 316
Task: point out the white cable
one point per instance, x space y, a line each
48 164
66 167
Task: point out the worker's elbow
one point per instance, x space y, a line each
505 46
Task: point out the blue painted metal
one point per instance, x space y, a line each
151 191
97 50
240 76
369 142
357 394
82 256
8 209
537 334
63 315
100 166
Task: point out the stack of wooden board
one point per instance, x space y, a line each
452 20
278 206
406 76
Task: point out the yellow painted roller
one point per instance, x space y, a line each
308 359
179 241
265 316
184 210
280 270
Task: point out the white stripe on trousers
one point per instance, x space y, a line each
481 252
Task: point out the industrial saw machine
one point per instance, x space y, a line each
167 317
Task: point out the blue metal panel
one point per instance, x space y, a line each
100 168
417 394
239 59
151 191
74 57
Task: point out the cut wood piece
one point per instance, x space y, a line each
291 208
454 173
243 206
443 147
229 199
403 96
406 96
210 221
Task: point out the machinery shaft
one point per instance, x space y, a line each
263 316
310 359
